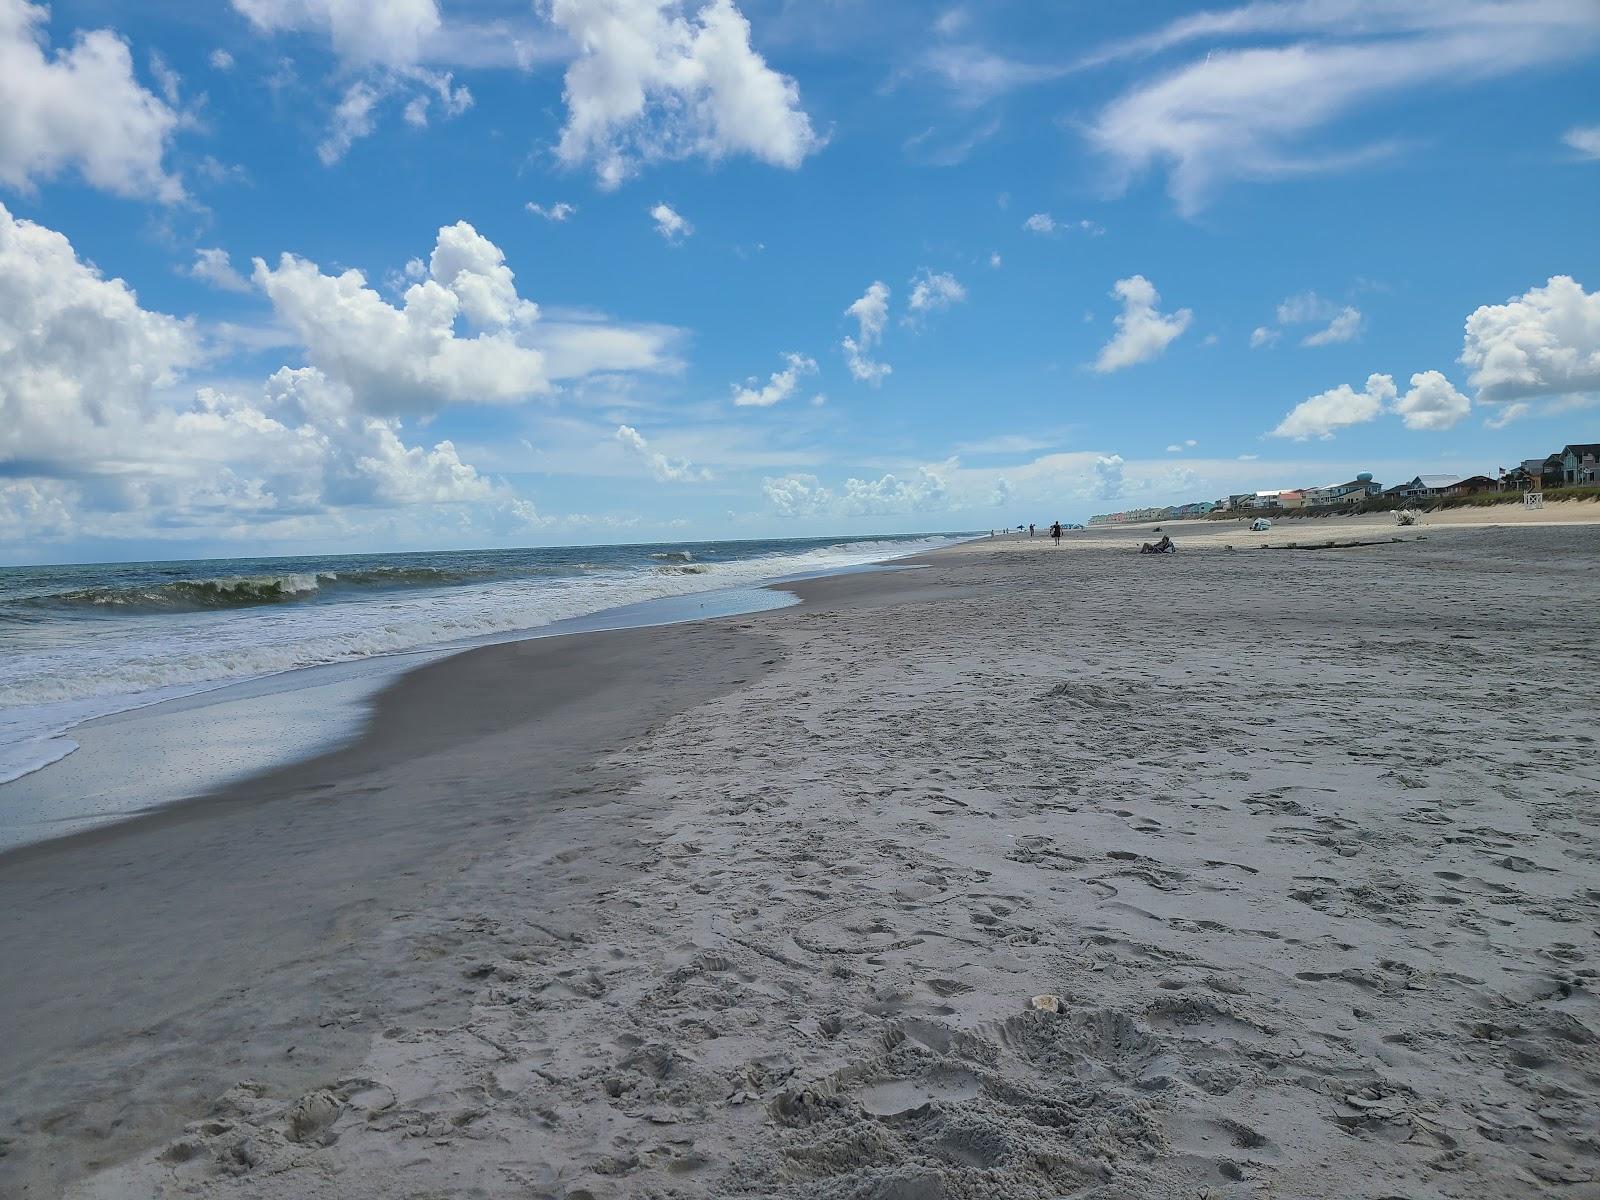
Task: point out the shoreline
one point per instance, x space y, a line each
280 733
756 905
264 880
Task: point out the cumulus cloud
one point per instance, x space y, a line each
1003 493
802 495
557 212
211 265
1337 407
1040 222
1261 335
410 358
93 426
779 387
871 312
1545 342
796 495
652 84
667 470
1432 403
669 224
930 292
1585 139
82 357
1143 332
1106 477
220 60
79 109
1244 113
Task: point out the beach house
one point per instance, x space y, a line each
1469 485
1580 464
1422 487
1353 492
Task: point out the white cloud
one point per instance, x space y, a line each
994 259
1143 332
82 358
1585 139
665 469
1432 403
796 495
803 495
1344 322
98 437
1244 113
1040 222
411 359
389 33
211 265
557 212
1545 342
1304 307
1106 480
438 89
669 224
780 387
220 60
356 114
651 84
931 292
871 312
1320 415
1508 414
1345 327
1003 492
352 119
79 109
891 495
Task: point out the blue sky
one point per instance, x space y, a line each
636 270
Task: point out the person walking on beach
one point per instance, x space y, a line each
1030 529
1055 533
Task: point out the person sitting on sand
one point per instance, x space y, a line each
1164 546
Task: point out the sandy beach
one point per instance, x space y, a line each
1299 845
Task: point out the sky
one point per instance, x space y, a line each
311 276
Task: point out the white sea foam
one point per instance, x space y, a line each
32 754
45 692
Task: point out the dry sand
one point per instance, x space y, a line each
1304 841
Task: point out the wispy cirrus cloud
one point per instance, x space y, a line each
1256 111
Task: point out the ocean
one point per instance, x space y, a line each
82 642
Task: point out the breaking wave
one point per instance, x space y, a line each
244 591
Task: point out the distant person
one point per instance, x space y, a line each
1030 529
1055 533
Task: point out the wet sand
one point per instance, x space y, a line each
1304 843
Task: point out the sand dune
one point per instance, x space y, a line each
1304 843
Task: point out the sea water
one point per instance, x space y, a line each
82 642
